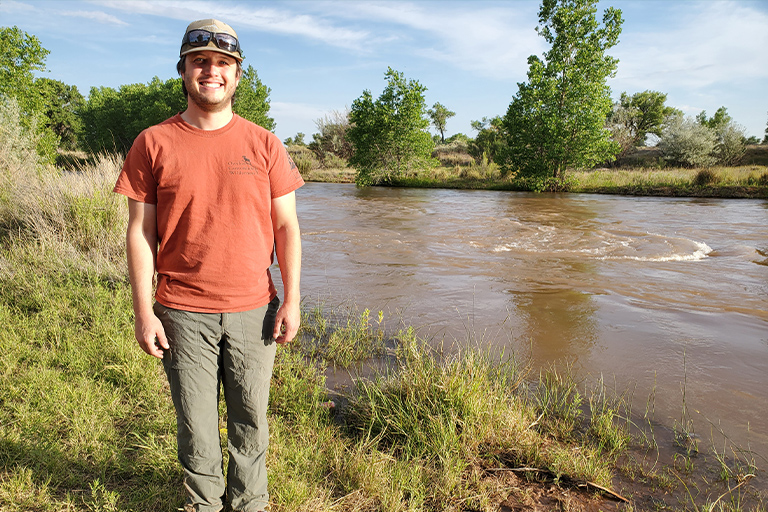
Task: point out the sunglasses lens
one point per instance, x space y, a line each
226 42
198 37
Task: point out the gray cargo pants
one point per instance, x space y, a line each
237 351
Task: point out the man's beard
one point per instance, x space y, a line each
207 105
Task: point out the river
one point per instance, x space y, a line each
666 298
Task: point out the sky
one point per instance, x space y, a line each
317 57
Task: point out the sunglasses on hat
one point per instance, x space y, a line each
200 37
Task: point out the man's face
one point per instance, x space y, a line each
211 79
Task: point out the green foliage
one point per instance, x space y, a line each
634 117
490 141
687 142
341 342
439 115
61 107
112 118
252 100
556 120
22 55
297 140
389 135
716 122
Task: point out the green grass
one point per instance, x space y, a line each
87 423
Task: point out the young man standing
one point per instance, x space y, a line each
211 199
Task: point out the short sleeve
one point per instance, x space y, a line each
137 180
284 175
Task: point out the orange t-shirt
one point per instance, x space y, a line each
213 191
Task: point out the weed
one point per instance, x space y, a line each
558 402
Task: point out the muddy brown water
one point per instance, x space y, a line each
665 298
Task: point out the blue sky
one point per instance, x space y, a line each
319 56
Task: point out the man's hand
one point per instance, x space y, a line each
287 323
151 335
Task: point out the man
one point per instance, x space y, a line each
211 199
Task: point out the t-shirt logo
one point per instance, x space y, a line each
244 167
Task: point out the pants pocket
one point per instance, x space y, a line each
182 328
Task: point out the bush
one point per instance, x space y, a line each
455 153
686 142
72 213
731 147
705 177
304 159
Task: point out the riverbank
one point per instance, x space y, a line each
641 174
88 424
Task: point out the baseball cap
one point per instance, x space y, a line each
211 35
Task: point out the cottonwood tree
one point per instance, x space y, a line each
556 121
439 115
389 135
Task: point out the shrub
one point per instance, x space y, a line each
731 146
304 159
686 142
705 177
73 213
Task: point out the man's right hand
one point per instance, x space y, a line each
151 335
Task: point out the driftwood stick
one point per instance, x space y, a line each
585 483
606 490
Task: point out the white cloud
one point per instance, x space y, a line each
494 41
98 16
266 19
715 42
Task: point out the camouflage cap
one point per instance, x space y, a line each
220 38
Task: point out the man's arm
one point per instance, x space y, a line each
285 225
141 247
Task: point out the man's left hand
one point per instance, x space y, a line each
287 323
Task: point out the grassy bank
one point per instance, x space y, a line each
86 422
643 173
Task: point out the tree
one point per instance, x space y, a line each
389 136
634 117
489 141
61 106
556 121
112 118
22 54
439 115
719 120
731 137
252 100
297 140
